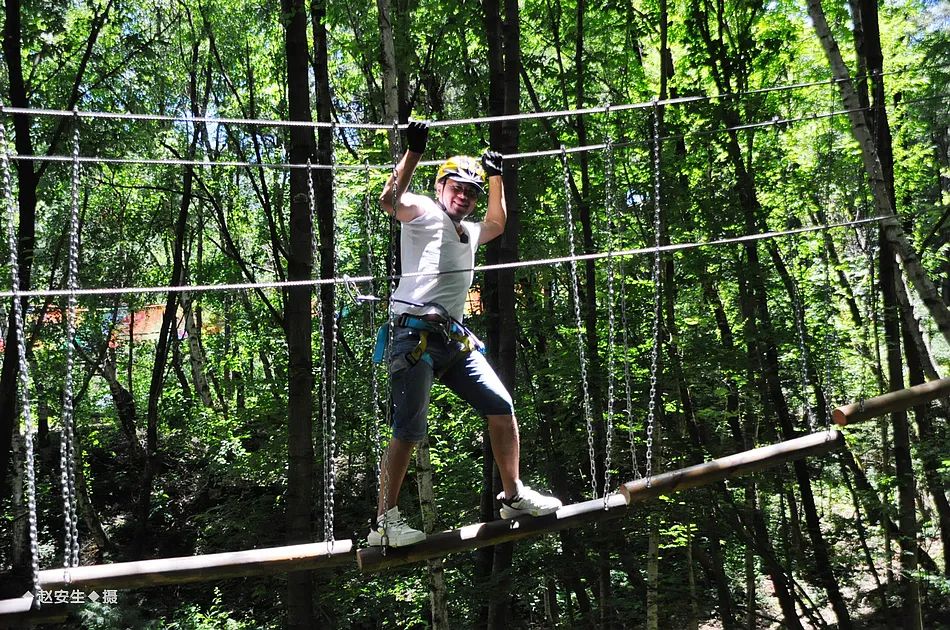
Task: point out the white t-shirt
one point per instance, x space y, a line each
430 244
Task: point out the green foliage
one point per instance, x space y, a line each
220 470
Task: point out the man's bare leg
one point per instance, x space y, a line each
506 446
392 472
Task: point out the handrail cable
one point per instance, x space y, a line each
478 268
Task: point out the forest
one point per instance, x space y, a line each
726 219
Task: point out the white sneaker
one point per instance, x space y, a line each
527 501
392 531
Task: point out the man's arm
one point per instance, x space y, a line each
497 214
394 199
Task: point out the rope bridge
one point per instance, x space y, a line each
341 553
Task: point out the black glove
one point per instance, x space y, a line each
492 163
416 136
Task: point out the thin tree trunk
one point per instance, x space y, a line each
297 318
326 223
653 574
169 317
552 610
712 562
907 517
692 622
438 598
196 353
124 405
863 535
20 555
504 58
781 581
177 365
930 445
27 181
878 511
769 353
388 65
89 514
751 579
912 325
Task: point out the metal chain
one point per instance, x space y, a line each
626 378
331 373
318 300
20 333
609 207
373 371
655 351
575 293
67 444
390 317
870 305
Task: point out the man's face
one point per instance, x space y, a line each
458 198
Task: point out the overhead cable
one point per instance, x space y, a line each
204 288
772 122
564 113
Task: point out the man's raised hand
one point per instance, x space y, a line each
417 134
492 163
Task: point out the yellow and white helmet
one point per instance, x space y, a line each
463 168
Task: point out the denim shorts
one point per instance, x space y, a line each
468 374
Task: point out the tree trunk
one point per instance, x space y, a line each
930 445
504 63
437 591
21 560
88 512
692 622
911 324
907 517
552 610
297 318
653 574
781 581
712 562
169 317
751 585
196 354
863 535
769 353
877 510
388 65
872 163
27 181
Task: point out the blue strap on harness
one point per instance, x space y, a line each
455 331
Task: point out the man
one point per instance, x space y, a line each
428 340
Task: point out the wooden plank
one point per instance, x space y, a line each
492 533
898 400
373 559
210 567
736 465
21 611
